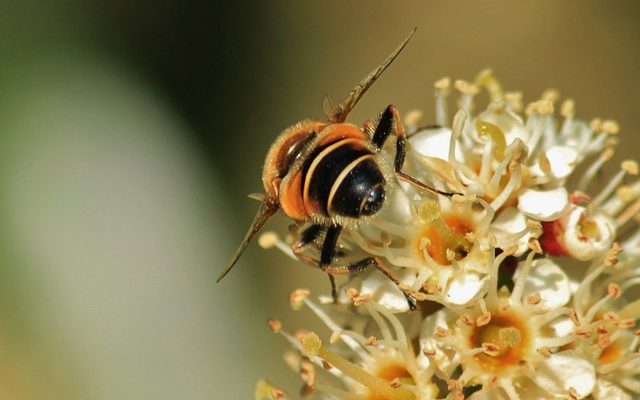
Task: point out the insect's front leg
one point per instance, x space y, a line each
390 122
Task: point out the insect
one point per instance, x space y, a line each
327 173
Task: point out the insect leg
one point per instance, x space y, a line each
327 253
361 265
306 237
390 122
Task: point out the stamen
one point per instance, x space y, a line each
487 159
312 345
591 172
514 180
468 91
627 167
513 101
523 274
331 324
441 93
265 391
567 110
270 239
487 80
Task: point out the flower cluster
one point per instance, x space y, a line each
525 278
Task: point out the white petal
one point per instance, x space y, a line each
544 205
563 371
606 390
550 281
509 222
562 160
433 143
562 326
587 248
383 291
464 288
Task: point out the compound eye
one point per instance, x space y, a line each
374 201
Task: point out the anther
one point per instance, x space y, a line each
610 126
533 299
583 332
359 300
429 353
614 290
612 317
573 316
371 341
534 245
308 373
484 319
515 100
441 332
467 319
544 352
466 87
627 323
442 84
297 298
551 95
604 341
630 167
412 117
567 108
491 349
268 240
352 292
274 325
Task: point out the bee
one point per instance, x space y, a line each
328 173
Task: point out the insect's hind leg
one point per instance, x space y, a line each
327 251
359 266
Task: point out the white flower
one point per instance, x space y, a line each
379 365
505 342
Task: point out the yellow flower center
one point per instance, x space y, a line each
588 228
446 232
391 373
508 337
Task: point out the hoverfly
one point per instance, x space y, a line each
328 173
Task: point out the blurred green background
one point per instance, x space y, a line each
131 133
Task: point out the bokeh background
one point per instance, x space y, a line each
132 131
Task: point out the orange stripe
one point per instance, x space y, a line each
290 200
336 132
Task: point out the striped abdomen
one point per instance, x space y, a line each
342 179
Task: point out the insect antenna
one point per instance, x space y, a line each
266 211
340 111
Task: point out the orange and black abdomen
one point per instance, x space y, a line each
342 178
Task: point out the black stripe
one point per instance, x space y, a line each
356 187
328 169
